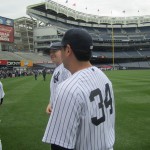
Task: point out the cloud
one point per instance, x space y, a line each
15 8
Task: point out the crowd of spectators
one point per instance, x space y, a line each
13 73
6 73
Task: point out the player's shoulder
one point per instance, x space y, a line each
87 72
75 79
90 74
58 68
69 83
62 69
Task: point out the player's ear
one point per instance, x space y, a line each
68 49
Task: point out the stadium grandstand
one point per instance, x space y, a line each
120 42
35 57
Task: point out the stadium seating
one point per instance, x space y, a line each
129 37
35 57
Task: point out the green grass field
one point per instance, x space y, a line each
23 117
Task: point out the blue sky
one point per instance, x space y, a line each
17 8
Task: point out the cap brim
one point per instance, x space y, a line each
56 46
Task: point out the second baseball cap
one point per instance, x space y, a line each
78 39
55 46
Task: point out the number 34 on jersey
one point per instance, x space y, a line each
103 103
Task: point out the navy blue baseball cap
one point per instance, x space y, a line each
55 46
78 39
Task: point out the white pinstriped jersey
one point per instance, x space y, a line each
60 74
2 94
83 116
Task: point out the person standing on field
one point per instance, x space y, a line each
2 93
60 73
35 74
83 116
44 74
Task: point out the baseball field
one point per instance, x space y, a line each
23 118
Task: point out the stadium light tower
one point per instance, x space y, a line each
113 52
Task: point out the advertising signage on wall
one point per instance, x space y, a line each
6 34
28 63
3 62
6 21
13 63
9 63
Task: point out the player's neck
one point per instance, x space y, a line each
79 66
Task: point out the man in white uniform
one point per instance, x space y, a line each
60 73
2 94
83 116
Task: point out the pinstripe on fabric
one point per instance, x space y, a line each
60 74
76 104
2 93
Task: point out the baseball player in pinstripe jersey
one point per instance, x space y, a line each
60 74
83 116
2 93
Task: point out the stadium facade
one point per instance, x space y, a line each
122 42
23 36
17 34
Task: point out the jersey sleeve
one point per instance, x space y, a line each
2 93
64 120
